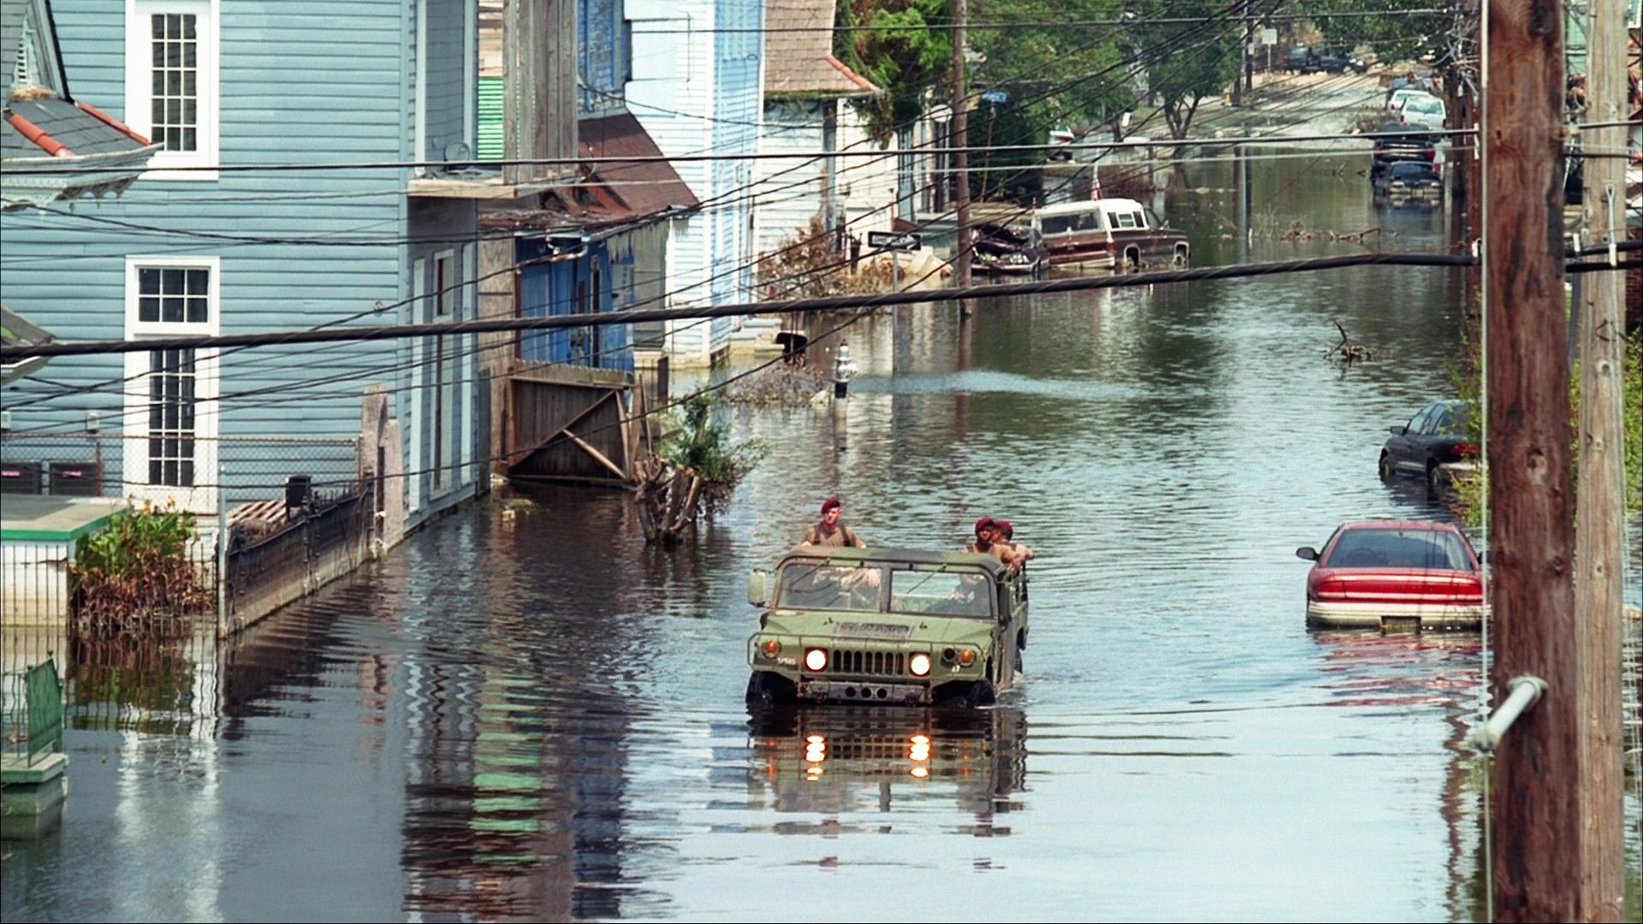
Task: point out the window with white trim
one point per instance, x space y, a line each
172 80
171 413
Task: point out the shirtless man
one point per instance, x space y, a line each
988 541
1006 535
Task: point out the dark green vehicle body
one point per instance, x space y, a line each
877 616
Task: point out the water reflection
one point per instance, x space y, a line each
1426 673
862 761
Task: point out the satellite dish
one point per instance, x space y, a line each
458 151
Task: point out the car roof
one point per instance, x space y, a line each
1090 205
1390 523
848 555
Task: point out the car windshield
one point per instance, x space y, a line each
947 593
1433 550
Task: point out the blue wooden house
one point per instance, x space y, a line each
312 174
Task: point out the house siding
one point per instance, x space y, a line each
700 92
789 191
297 249
448 32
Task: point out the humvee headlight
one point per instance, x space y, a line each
919 664
771 648
815 659
966 657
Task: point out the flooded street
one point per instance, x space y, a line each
524 713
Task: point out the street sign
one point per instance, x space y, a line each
890 240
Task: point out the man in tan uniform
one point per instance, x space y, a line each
831 532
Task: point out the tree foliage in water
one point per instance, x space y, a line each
701 443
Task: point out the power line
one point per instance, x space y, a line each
788 306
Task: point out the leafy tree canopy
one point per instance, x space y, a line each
890 43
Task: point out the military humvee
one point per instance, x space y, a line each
886 626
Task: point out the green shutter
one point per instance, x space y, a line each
490 118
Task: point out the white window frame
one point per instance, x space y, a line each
139 86
202 496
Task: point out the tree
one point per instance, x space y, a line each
1057 75
695 472
1193 55
892 44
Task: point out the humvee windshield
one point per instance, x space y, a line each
821 586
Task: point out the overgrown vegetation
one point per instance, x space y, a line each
136 577
1471 491
810 263
694 472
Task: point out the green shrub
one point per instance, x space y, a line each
135 575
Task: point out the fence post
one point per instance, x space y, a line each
222 550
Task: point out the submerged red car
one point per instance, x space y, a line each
1394 574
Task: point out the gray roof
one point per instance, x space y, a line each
69 125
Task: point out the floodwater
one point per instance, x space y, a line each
523 713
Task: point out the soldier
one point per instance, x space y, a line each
831 532
1006 535
988 542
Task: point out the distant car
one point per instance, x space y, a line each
1411 183
1394 574
1300 60
1432 445
1331 63
1393 145
1423 108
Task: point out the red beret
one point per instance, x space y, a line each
830 503
984 523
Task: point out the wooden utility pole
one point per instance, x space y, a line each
961 159
1541 849
1599 500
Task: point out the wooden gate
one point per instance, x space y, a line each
572 423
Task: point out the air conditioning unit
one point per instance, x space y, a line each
76 479
19 478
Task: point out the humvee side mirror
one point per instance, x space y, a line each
758 587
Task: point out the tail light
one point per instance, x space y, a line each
1466 450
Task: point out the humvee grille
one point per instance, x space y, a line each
877 663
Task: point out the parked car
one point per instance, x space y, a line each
886 626
1423 108
1411 183
1013 250
1394 145
1394 574
1300 60
1434 444
1331 63
1304 59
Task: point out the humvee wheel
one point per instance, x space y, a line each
967 695
764 688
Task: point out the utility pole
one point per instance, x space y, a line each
1598 494
961 160
1249 43
1540 849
